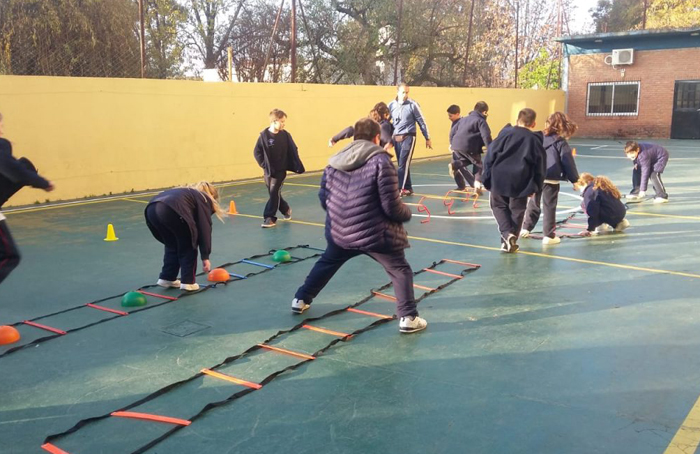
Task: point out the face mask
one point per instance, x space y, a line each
631 157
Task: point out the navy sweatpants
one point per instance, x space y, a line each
275 203
179 253
460 165
9 254
394 264
547 199
404 155
509 213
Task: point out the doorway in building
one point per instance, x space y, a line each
685 123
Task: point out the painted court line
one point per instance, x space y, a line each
687 438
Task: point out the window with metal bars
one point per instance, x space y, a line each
612 99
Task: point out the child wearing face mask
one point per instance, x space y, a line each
601 202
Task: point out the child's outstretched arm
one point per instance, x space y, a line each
16 172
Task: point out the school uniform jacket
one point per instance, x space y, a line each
16 173
560 159
470 134
360 194
514 165
602 208
195 208
262 155
651 158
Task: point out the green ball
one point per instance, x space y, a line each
134 299
281 256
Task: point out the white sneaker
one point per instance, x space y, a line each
168 284
622 225
602 228
524 233
299 306
288 215
450 170
660 200
512 243
548 240
189 287
409 325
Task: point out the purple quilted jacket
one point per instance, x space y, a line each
360 193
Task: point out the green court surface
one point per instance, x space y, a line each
588 346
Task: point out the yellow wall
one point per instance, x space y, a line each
98 136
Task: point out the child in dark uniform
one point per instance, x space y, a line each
514 169
649 163
601 202
14 175
276 152
180 218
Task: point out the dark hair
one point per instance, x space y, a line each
631 147
481 107
277 114
453 109
382 109
402 84
527 117
559 123
366 129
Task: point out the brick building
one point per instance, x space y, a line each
636 84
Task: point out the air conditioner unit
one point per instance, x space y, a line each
622 56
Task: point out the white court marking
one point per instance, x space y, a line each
481 218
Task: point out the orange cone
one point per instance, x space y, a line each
232 208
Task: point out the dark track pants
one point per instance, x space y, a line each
276 202
509 213
547 199
394 264
460 166
654 177
404 155
9 254
175 233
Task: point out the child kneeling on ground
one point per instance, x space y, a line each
180 218
601 202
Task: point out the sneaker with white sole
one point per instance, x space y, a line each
268 223
622 225
602 229
299 306
548 240
168 284
409 325
288 215
189 287
660 200
524 233
512 243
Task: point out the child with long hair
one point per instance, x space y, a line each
560 167
601 202
180 218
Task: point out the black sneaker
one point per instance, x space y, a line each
268 223
288 215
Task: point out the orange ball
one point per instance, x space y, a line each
218 275
8 335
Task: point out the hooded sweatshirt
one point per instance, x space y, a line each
360 193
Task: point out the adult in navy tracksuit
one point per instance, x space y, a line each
14 175
276 152
514 170
467 139
405 113
364 215
649 163
180 218
560 167
601 202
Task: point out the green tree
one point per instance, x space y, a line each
673 14
165 20
542 72
617 15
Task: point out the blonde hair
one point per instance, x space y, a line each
600 182
210 191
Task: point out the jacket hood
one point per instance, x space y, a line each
355 155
